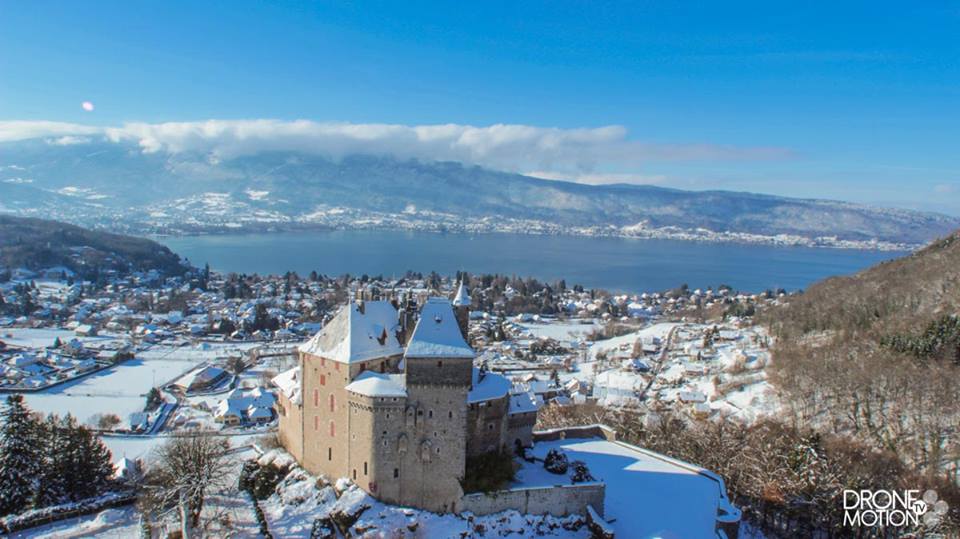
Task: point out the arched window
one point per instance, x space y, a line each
316 397
323 379
333 403
333 429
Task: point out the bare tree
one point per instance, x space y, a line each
186 469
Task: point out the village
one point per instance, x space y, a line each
142 356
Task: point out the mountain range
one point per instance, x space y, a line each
117 185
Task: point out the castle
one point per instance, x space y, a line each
386 394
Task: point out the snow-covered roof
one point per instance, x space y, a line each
357 333
201 376
462 299
487 387
437 333
524 402
375 384
288 382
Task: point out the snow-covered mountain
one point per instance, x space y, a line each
118 185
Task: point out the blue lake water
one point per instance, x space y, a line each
618 264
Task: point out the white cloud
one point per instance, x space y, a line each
601 178
24 130
576 152
68 140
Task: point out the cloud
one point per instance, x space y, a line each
69 140
944 188
11 131
575 151
601 178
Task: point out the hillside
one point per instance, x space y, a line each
39 244
876 355
103 183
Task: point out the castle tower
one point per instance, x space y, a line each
438 367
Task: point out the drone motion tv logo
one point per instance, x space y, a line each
892 508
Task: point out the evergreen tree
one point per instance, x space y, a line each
19 456
93 463
52 481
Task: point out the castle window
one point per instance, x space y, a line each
333 403
439 364
450 414
316 423
396 473
420 413
323 379
323 362
354 474
336 365
430 414
489 427
364 468
333 429
438 450
316 397
329 453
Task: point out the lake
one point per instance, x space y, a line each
618 264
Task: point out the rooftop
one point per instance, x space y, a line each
437 333
489 386
375 384
358 332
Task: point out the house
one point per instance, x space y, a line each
127 471
242 407
201 379
85 330
138 421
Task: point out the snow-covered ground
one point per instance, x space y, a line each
122 389
647 495
44 337
119 523
291 514
564 332
118 390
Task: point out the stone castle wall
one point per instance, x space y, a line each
486 426
555 500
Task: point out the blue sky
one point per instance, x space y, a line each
859 101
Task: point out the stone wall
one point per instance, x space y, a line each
556 500
586 431
290 432
486 426
520 427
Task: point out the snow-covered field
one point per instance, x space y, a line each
44 337
119 390
122 389
564 332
